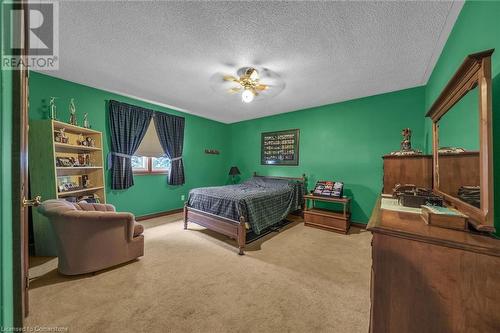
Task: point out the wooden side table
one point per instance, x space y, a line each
332 220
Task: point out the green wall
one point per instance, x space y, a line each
150 194
477 29
460 126
342 142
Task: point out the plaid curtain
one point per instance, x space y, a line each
170 130
128 125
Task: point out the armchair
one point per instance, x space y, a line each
91 237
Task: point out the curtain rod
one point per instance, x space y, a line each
140 107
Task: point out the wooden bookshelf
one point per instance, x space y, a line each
46 177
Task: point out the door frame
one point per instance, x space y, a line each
20 238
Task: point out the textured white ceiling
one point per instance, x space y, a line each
325 52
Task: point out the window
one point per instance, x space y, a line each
139 164
150 165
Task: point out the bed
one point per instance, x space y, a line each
257 205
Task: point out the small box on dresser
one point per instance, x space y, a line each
449 218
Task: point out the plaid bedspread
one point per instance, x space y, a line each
262 201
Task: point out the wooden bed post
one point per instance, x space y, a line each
185 217
242 235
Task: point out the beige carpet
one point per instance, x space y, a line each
299 280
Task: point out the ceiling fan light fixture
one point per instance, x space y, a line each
247 85
247 96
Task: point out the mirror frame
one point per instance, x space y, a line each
474 72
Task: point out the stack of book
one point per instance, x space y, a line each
471 195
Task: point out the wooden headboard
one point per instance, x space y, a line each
302 179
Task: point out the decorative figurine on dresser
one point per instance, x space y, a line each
406 143
405 147
407 166
436 266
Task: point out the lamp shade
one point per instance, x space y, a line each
234 171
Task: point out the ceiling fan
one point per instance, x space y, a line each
248 84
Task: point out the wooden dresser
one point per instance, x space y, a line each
409 169
431 279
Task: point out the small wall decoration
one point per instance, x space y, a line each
212 151
280 148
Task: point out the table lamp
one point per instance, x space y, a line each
234 172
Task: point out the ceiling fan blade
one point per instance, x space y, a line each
230 78
261 87
234 90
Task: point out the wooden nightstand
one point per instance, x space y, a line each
338 221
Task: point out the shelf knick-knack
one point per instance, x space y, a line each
61 136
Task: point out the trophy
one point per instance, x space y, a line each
52 108
405 146
86 123
72 112
406 143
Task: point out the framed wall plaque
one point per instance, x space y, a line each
280 148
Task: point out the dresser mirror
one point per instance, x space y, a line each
458 154
462 141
